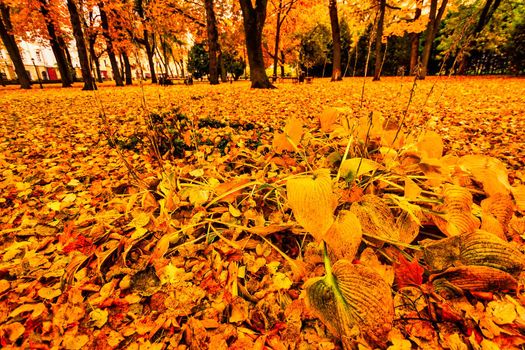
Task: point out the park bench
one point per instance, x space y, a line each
165 81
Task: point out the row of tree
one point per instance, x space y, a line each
332 37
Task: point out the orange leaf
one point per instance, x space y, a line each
408 273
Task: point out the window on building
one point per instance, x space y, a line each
39 55
1 55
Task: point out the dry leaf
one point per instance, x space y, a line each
375 217
458 212
490 172
312 201
349 297
344 236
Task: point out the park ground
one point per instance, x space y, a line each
109 239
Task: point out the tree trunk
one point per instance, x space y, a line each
414 41
434 21
379 39
213 42
12 49
127 66
336 41
55 46
95 59
109 45
69 61
89 83
277 38
150 53
253 19
282 64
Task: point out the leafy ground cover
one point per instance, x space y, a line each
179 217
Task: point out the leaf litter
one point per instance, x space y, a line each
199 218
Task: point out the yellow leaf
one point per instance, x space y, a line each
197 173
355 167
312 201
375 217
140 219
99 317
281 281
198 196
114 338
74 341
412 190
280 143
458 212
53 206
344 236
36 310
518 192
328 119
430 145
491 172
14 330
234 211
49 293
69 198
4 285
503 312
22 186
294 130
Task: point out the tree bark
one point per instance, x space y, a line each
213 42
282 64
74 15
150 52
58 51
434 21
253 20
109 45
95 59
379 39
277 38
12 48
336 41
69 61
414 41
127 68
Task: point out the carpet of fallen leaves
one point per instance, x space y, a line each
104 245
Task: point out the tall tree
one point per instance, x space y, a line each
434 19
414 40
282 10
9 41
336 41
253 20
89 83
54 41
379 40
486 13
127 68
109 45
213 42
147 39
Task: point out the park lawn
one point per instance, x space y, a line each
158 216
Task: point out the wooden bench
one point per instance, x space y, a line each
284 79
309 80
